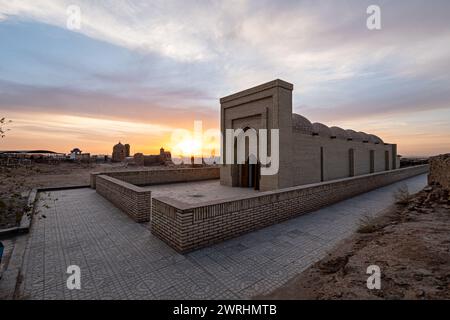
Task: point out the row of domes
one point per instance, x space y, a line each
303 125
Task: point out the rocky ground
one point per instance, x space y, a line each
409 242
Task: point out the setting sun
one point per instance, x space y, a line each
188 147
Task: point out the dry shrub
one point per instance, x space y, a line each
367 225
402 196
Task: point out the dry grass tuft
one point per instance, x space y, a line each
368 225
402 196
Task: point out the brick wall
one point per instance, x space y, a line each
440 170
149 177
132 200
306 158
187 227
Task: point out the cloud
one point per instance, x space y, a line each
170 61
62 132
168 107
310 42
399 97
170 29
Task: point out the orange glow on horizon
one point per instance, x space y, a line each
61 133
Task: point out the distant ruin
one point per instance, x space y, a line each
120 152
164 157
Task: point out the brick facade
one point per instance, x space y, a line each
188 227
308 152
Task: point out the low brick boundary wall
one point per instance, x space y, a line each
150 177
187 227
134 201
122 187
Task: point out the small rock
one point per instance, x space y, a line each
418 277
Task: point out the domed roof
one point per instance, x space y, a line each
339 133
118 147
321 129
375 139
365 136
301 123
355 136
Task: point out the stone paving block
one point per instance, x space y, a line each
120 259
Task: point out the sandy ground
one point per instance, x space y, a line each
409 242
16 184
47 175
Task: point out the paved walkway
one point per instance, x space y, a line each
120 259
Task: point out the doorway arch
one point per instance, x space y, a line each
247 174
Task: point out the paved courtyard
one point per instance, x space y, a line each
198 191
120 259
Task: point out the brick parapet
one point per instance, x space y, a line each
134 201
187 227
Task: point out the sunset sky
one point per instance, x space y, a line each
138 70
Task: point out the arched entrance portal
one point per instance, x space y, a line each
248 174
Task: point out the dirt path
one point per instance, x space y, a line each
411 245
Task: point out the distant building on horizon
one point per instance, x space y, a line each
163 158
74 152
120 152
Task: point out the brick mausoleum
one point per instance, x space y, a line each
309 152
318 166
